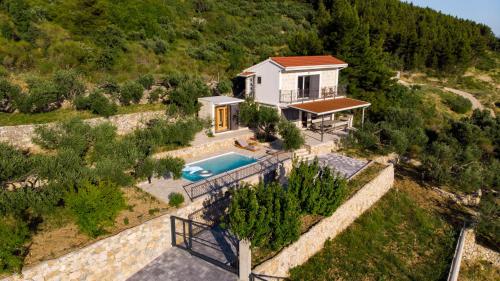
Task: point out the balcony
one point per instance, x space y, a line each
304 95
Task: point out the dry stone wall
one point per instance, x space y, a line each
22 135
312 241
114 258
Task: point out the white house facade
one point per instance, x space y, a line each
281 81
304 89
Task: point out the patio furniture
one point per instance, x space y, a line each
244 145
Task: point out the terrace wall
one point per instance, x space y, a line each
312 241
113 258
22 135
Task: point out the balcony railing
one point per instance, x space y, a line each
303 95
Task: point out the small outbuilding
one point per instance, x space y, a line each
223 111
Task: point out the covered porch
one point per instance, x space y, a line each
329 117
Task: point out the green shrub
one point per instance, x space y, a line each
8 94
318 190
14 164
13 237
43 96
267 215
185 96
156 95
146 80
99 104
95 206
68 84
81 103
131 92
458 104
224 86
292 137
173 79
488 228
175 199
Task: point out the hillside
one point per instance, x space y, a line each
106 39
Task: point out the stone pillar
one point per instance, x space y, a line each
245 260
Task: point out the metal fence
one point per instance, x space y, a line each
210 243
229 178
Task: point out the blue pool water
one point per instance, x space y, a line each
216 165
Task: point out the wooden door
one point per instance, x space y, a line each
221 118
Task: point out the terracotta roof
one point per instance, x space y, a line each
246 73
306 61
330 106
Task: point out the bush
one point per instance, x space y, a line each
458 104
8 94
292 137
267 215
175 199
99 104
13 237
225 86
185 96
488 228
155 95
68 84
146 80
43 96
14 165
316 188
131 92
81 103
95 206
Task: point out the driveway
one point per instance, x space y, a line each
179 265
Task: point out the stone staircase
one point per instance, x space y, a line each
303 154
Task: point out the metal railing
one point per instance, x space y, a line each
304 95
217 182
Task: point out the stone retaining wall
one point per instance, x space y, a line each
21 135
202 149
113 258
312 241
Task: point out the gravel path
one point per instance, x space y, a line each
476 104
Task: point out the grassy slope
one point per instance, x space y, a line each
398 239
196 41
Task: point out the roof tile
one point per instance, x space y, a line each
307 61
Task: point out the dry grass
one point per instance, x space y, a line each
479 271
58 235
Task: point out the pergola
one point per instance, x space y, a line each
323 108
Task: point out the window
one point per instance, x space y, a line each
259 80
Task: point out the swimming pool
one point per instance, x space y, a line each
215 165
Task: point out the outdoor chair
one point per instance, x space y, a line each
244 145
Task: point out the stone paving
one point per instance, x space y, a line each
178 265
346 166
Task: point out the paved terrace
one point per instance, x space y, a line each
344 165
179 265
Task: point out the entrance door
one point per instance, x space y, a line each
221 118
